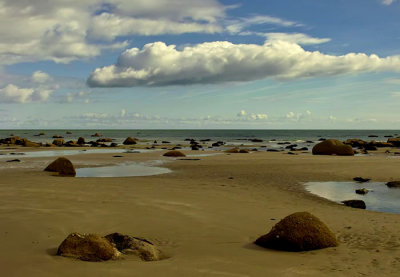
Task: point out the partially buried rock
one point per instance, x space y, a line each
91 247
174 153
129 141
298 232
63 166
358 204
361 179
233 150
362 191
393 184
332 147
143 248
244 151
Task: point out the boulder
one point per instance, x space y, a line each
361 179
358 204
142 248
245 151
129 141
91 247
298 232
233 150
28 143
256 140
174 153
63 166
68 132
332 147
58 142
57 136
355 142
394 141
105 140
81 141
72 143
362 191
97 135
393 184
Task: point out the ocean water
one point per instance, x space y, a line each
234 136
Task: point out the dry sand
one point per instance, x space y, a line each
203 220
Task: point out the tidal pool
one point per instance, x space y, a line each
123 170
379 198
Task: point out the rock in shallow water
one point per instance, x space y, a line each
393 184
358 204
63 166
298 232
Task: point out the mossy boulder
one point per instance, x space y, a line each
63 166
142 248
298 232
129 141
332 147
91 247
174 153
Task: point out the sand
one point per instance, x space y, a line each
205 221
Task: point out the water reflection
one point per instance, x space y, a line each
123 170
379 198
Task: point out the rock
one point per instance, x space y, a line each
195 147
355 142
233 150
28 143
97 135
322 139
72 143
291 153
105 140
361 179
174 153
63 166
129 141
358 204
370 147
137 246
373 136
81 141
244 151
298 232
362 191
164 141
68 132
394 141
256 140
113 144
205 140
273 150
58 142
91 247
41 134
217 144
332 147
15 160
57 136
393 184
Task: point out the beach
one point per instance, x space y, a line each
205 215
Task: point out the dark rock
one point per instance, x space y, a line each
362 191
256 140
233 150
57 136
63 166
113 144
174 153
361 179
164 141
273 150
97 135
244 151
15 160
394 141
58 142
332 147
129 141
298 232
81 141
393 184
68 132
358 204
105 140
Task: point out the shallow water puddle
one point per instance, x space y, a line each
379 198
123 170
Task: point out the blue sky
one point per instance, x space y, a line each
200 64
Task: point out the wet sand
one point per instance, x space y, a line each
201 217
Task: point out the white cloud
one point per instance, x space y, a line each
290 115
238 25
72 96
332 118
14 94
298 38
242 113
158 64
308 112
63 31
40 77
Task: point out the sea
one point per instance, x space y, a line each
233 136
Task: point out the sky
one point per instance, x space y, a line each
210 64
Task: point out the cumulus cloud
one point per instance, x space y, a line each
123 113
243 115
158 64
72 96
63 31
40 77
14 94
